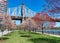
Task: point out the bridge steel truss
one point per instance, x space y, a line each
20 12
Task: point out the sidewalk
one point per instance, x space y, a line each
5 32
49 34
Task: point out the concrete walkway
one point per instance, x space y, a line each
5 32
49 34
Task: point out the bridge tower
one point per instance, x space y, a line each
22 12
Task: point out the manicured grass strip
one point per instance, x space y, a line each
30 37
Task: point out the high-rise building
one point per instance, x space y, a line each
3 6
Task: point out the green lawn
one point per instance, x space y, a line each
29 37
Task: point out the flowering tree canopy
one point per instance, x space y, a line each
6 20
38 20
43 19
29 23
52 7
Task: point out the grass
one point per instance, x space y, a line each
29 37
4 38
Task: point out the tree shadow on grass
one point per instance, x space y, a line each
43 40
4 38
8 34
34 33
28 33
25 35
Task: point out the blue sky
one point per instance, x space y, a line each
35 5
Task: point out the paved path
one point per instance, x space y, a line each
5 32
50 34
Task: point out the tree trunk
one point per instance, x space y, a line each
2 34
42 29
35 29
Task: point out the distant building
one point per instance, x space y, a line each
3 6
